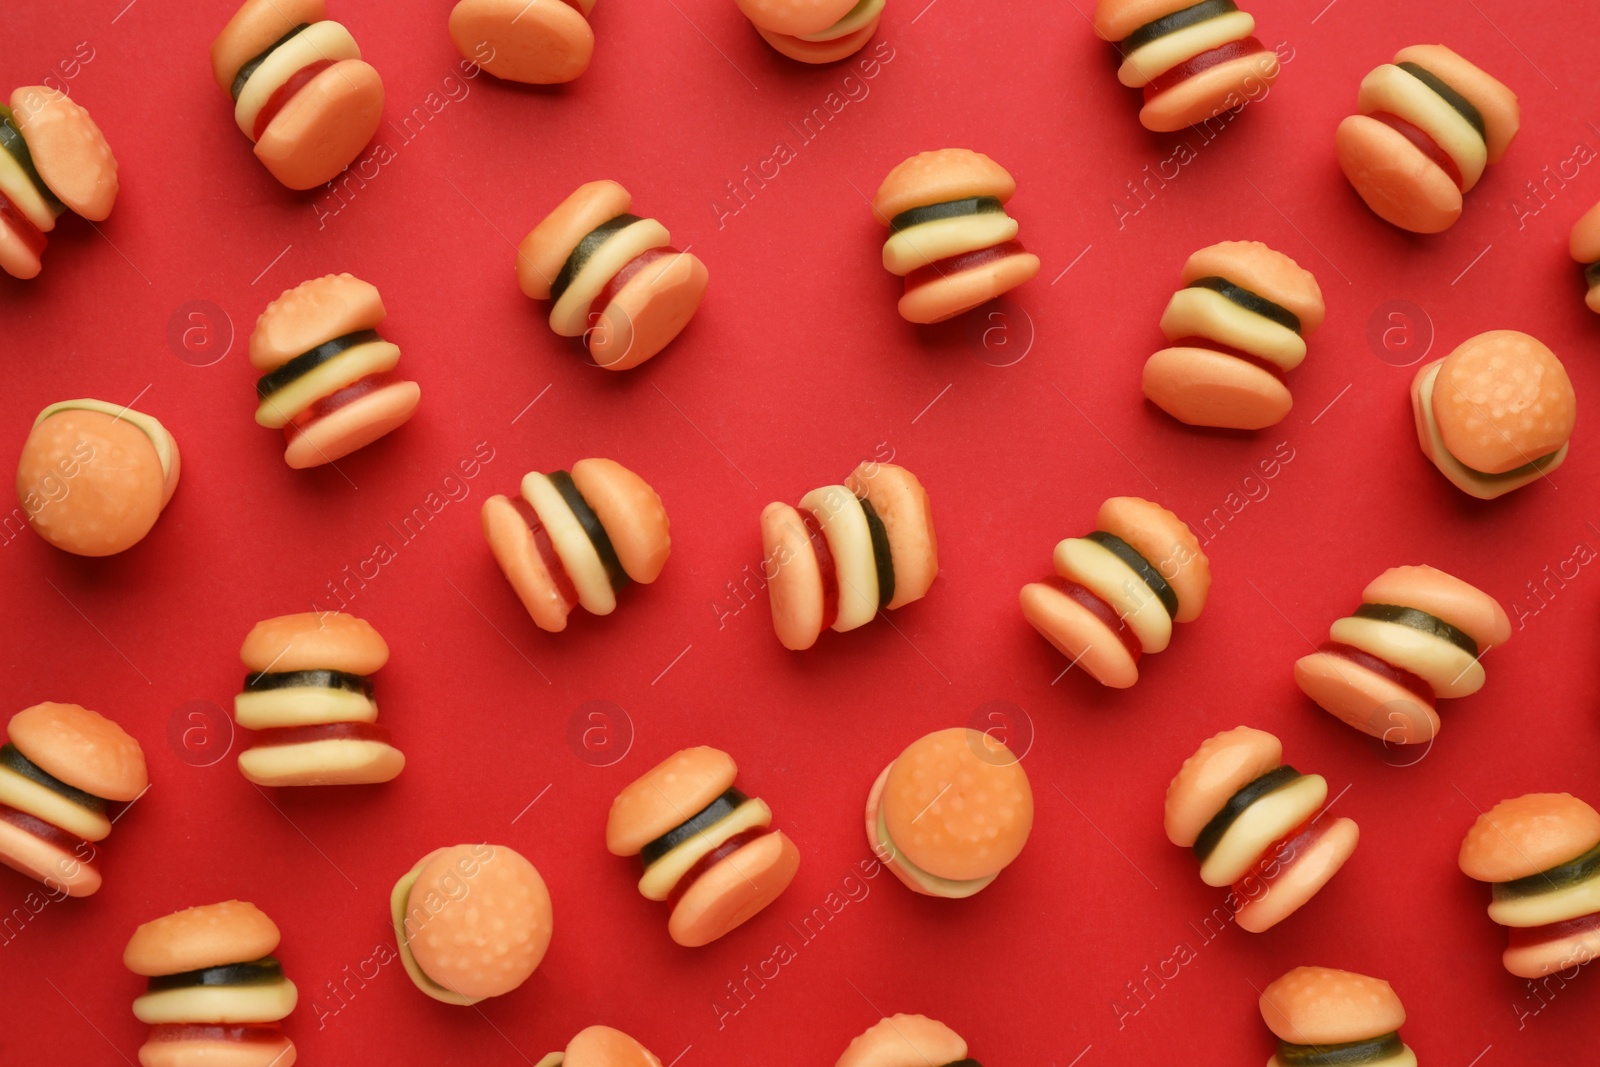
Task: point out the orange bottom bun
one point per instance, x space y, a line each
1209 93
820 51
533 43
648 311
19 257
352 426
1300 876
276 1051
1527 958
514 549
324 126
1395 178
951 292
794 577
1366 700
1077 634
1202 387
734 890
46 862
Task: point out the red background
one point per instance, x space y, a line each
796 368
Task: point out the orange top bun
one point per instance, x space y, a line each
314 641
936 177
82 748
902 504
68 149
1325 1006
667 796
1166 543
543 253
1525 835
905 1041
795 17
211 935
1264 271
313 313
957 804
1223 765
1503 400
1584 242
1444 596
254 28
601 1046
1114 20
1496 103
631 513
486 942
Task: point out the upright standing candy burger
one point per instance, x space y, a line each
1256 824
1429 123
1418 635
814 31
848 552
52 158
949 235
708 850
1193 60
1496 414
301 91
578 538
1118 591
308 697
328 379
59 767
614 278
94 477
216 994
1541 853
950 813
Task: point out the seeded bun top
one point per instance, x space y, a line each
311 314
484 941
601 1046
68 149
1502 400
1444 596
1494 101
957 804
905 1041
1325 1006
255 27
1166 543
631 513
666 796
936 177
82 748
210 935
545 250
314 641
1264 271
1223 765
1525 835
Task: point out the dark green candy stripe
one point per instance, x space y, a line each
591 527
1270 782
950 209
704 819
306 362
12 141
264 971
1178 20
1571 873
1350 1054
1466 108
1419 620
1250 301
1140 566
587 247
10 757
1591 274
355 683
250 68
880 554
